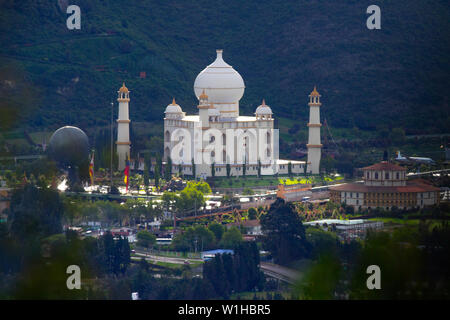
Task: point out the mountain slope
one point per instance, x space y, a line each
397 76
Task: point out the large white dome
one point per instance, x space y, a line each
220 81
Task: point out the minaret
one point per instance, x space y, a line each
314 146
203 107
123 127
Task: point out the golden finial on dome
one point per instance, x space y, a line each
173 102
203 95
123 88
314 93
263 102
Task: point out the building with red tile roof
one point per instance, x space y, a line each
385 186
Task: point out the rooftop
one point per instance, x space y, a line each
384 166
411 186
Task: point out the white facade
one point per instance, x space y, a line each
123 127
314 145
218 135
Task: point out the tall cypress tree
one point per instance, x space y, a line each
194 173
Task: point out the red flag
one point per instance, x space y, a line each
91 170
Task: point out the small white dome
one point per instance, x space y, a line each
220 81
263 109
173 108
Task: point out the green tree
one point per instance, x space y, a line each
213 169
259 168
284 233
157 177
168 169
252 213
290 169
146 239
194 173
217 229
147 165
35 213
197 238
231 238
202 186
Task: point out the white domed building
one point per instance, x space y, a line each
219 141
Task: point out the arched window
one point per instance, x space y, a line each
376 175
213 154
368 175
166 152
212 139
386 175
167 137
397 176
268 152
224 139
224 156
268 137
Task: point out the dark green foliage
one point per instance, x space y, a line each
397 80
238 272
39 267
217 229
259 168
231 238
197 238
252 214
147 167
146 239
168 169
113 255
194 172
35 213
284 233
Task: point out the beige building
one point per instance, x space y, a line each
385 186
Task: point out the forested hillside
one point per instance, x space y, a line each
396 77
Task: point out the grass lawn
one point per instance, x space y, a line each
177 265
250 181
406 222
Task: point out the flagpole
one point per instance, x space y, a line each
91 168
111 164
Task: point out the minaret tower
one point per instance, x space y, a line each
203 109
123 127
314 146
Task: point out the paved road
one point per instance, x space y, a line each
280 272
270 269
150 257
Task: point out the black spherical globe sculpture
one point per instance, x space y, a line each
69 146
